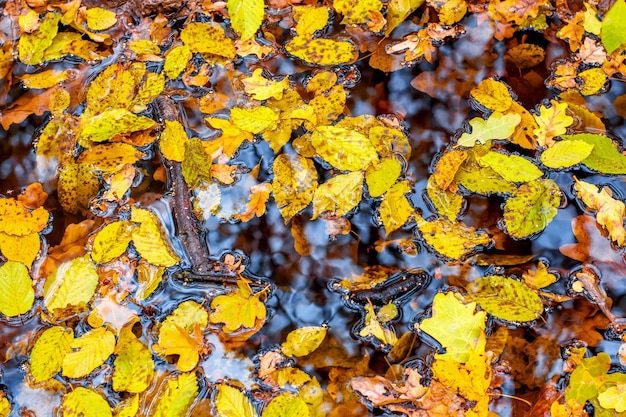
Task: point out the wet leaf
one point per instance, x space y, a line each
82 402
128 407
540 277
100 19
176 61
497 126
338 195
133 366
447 167
322 51
398 11
470 378
176 396
23 249
256 205
73 283
44 79
605 156
513 168
531 208
245 16
588 377
231 402
395 208
77 186
48 353
552 121
380 178
614 398
31 46
237 310
295 181
304 340
356 12
610 212
111 123
286 404
150 240
256 120
111 241
452 12
593 81
447 204
372 327
5 405
261 88
612 27
209 38
310 19
232 137
456 326
300 241
506 298
526 55
16 219
89 351
109 157
16 289
451 240
343 148
565 153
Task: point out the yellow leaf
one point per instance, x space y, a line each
493 95
113 88
552 121
196 165
128 407
77 186
237 310
372 327
256 206
144 46
245 16
300 241
447 167
28 22
59 101
497 126
111 241
343 148
254 120
540 277
310 19
526 55
22 249
286 404
483 180
470 378
16 220
109 157
231 402
261 88
31 46
447 204
100 19
85 402
338 195
356 12
89 351
513 168
451 240
610 212
322 51
5 405
565 153
176 61
73 283
380 177
151 87
44 79
111 123
295 180
505 298
452 12
304 340
16 289
327 107
175 398
531 208
49 351
456 326
593 81
173 141
208 38
395 208
232 137
148 277
398 11
150 239
614 398
133 366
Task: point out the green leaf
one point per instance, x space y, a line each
230 402
111 123
49 351
345 149
246 16
566 153
176 397
338 195
612 33
85 402
497 126
604 157
286 405
513 168
505 298
531 208
71 284
88 352
16 289
588 377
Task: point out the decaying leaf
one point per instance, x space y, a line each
531 208
610 212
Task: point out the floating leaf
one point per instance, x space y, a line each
111 241
610 212
245 16
196 166
5 405
133 366
261 88
356 12
31 46
483 180
565 153
15 219
231 402
398 11
49 351
451 240
322 51
612 28
380 178
531 208
85 402
237 310
447 167
456 326
452 12
395 208
588 377
88 352
551 122
109 157
176 61
447 204
23 249
208 37
493 95
176 396
343 148
540 277
295 181
497 126
372 327
506 298
286 404
592 80
110 123
605 156
73 283
254 120
100 19
256 205
513 168
338 195
304 340
16 289
149 239
613 398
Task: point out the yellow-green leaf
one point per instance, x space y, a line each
286 405
295 181
85 402
395 208
493 95
613 398
16 289
111 123
505 298
447 204
31 46
231 402
566 153
338 195
612 28
513 168
497 126
380 178
304 340
197 165
246 16
133 367
531 208
176 61
100 19
456 326
451 240
345 149
208 37
88 352
150 240
322 51
48 353
605 156
254 120
398 11
483 180
173 141
111 241
73 283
